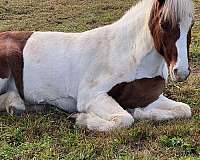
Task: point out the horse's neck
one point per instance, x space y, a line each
140 43
133 30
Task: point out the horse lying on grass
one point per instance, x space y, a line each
110 75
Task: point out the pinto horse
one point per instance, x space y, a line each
110 75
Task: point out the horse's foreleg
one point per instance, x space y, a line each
104 114
12 103
98 110
163 109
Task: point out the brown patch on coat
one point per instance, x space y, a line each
11 56
139 93
165 34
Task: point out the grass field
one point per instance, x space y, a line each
52 136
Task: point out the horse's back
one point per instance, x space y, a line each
46 65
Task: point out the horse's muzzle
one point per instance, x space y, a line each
180 75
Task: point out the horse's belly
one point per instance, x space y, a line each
46 85
139 93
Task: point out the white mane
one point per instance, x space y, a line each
178 10
143 7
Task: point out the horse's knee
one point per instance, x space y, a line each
14 104
13 96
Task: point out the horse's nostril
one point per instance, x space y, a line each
181 74
175 71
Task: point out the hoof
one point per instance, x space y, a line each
15 112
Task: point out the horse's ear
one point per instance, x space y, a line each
161 2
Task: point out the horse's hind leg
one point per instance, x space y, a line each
67 104
12 103
163 109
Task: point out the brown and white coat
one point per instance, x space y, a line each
104 72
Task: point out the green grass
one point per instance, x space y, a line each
53 136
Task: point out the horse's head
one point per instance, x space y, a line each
170 25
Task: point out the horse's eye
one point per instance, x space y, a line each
166 26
